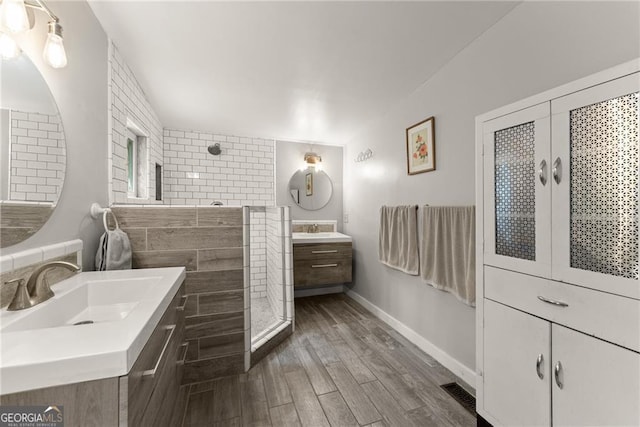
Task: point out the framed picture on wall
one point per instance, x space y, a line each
421 147
308 179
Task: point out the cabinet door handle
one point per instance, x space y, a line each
557 170
552 301
539 366
324 265
151 372
183 300
542 172
334 251
185 347
557 371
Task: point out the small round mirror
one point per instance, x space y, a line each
32 151
310 189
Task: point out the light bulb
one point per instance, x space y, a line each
8 47
13 16
54 52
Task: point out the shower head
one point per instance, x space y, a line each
214 149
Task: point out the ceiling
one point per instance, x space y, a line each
305 71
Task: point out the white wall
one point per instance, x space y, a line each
289 158
80 91
537 46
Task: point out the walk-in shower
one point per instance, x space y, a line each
268 271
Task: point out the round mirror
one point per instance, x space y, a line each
310 189
32 156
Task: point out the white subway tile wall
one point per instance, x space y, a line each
258 254
275 242
37 157
243 174
127 100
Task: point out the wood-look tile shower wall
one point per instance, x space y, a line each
207 241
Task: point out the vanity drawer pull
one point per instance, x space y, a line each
183 303
323 265
152 372
184 353
333 251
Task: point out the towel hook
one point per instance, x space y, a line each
96 210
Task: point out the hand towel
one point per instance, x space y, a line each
447 250
114 252
398 238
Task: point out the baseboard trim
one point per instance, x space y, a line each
461 370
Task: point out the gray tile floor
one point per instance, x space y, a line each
341 367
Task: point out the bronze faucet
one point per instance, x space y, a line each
37 289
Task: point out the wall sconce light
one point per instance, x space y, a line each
14 19
312 159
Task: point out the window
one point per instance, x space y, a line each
137 168
132 164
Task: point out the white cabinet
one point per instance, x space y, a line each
599 381
558 255
517 351
595 198
540 373
517 209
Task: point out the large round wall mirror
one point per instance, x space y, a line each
33 153
310 189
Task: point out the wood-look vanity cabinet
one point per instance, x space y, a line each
558 338
316 264
151 394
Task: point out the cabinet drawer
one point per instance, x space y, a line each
155 364
325 271
317 251
606 316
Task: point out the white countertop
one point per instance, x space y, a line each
322 237
45 357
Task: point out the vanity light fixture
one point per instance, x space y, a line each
312 159
15 20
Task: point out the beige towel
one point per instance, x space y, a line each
447 250
398 238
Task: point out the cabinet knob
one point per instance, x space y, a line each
557 170
539 366
557 372
542 172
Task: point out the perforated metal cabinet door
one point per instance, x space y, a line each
595 143
517 228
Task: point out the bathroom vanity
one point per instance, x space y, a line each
321 258
108 347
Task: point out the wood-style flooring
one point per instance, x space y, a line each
341 367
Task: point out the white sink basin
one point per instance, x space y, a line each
94 301
42 346
324 237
